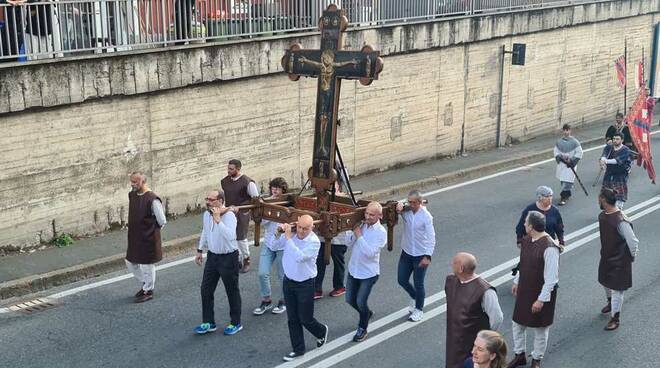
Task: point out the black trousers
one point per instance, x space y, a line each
184 15
337 253
11 36
299 298
225 267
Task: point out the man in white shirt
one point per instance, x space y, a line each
417 244
219 237
472 306
299 262
366 242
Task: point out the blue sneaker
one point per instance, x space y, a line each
232 329
205 328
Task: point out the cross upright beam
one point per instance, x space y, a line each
329 64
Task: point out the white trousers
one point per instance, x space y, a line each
38 45
617 299
520 339
144 273
243 249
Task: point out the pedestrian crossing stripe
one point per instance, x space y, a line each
32 306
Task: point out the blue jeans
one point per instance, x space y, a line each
357 293
410 265
268 257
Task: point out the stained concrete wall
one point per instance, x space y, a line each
73 129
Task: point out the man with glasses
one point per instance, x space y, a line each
219 237
417 245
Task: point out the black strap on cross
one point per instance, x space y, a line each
342 167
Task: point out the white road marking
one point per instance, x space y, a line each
404 326
400 314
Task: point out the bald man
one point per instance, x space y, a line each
299 263
472 306
366 241
145 219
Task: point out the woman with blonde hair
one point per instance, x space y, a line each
489 351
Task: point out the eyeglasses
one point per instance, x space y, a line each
211 199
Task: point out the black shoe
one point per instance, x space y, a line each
263 308
360 334
292 355
320 342
148 295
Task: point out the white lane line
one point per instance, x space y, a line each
400 314
355 349
111 280
516 169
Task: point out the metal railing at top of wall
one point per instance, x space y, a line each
37 29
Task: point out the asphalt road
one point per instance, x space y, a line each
101 327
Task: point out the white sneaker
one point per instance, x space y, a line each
416 315
411 306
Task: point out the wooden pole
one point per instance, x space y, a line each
642 83
625 68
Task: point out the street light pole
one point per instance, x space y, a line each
518 53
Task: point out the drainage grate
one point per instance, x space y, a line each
36 305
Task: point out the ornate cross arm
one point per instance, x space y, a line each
364 65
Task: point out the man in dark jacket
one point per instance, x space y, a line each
472 306
535 290
145 219
618 247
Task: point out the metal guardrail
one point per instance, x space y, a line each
31 30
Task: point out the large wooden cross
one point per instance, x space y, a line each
329 64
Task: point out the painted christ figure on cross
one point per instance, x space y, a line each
327 67
330 64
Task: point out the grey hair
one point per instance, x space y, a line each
543 192
536 220
415 194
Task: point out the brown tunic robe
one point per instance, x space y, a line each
615 267
236 194
144 243
465 317
530 283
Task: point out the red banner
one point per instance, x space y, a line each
639 74
639 121
620 66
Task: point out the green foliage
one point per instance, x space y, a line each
63 240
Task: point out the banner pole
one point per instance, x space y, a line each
625 68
